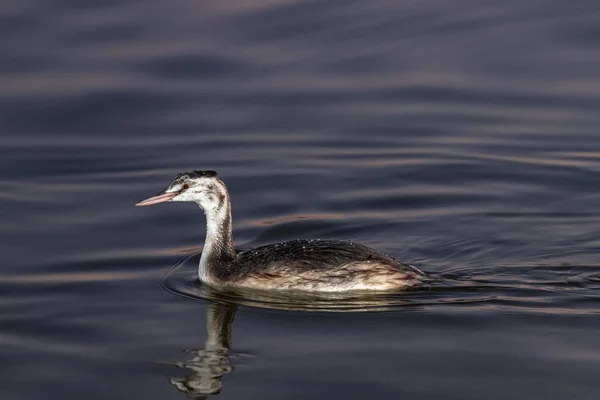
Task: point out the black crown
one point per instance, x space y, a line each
196 174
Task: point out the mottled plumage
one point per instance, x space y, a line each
318 265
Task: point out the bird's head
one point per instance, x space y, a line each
201 187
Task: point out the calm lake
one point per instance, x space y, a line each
462 137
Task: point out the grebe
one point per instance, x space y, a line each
304 265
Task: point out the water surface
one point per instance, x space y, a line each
459 136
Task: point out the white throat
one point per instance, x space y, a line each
218 245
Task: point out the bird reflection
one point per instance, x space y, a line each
208 365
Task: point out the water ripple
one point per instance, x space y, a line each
533 289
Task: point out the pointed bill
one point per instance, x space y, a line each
159 198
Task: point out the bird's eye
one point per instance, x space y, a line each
185 186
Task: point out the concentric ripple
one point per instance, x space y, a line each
544 290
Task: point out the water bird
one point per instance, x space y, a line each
327 266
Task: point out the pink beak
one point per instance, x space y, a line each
159 198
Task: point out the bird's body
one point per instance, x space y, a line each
316 265
304 265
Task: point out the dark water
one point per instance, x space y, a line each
460 136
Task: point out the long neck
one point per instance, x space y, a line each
218 246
